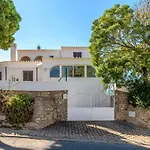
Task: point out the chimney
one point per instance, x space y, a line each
13 51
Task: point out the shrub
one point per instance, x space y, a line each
18 109
139 93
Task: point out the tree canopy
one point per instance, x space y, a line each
9 23
142 10
120 46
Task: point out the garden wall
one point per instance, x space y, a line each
49 107
134 115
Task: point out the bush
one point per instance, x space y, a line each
139 93
18 109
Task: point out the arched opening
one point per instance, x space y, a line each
55 72
91 72
38 58
25 58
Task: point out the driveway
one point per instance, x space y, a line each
92 131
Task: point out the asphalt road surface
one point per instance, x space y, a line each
8 143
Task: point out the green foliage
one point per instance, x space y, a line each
139 93
142 11
79 71
9 23
18 109
120 46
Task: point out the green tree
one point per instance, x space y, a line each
142 10
120 46
9 23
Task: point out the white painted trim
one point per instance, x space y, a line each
60 71
85 71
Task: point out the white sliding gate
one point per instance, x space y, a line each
89 105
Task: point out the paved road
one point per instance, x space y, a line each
9 143
106 131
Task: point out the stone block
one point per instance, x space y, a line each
49 107
122 108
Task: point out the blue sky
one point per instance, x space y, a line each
55 23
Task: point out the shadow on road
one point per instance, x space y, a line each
63 145
5 146
60 145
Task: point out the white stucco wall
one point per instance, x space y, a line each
17 72
63 57
16 69
51 62
73 85
13 52
34 53
40 73
67 52
64 52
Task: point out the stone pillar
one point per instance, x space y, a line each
121 105
13 51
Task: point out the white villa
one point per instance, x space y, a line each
44 70
47 65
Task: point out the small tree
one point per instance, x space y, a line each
38 47
5 93
18 109
9 23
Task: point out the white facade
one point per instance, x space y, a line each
26 61
41 70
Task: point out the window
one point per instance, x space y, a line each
27 75
69 70
25 58
5 73
77 54
0 75
90 71
73 71
38 58
78 71
55 72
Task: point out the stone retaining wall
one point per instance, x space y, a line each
49 107
134 115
